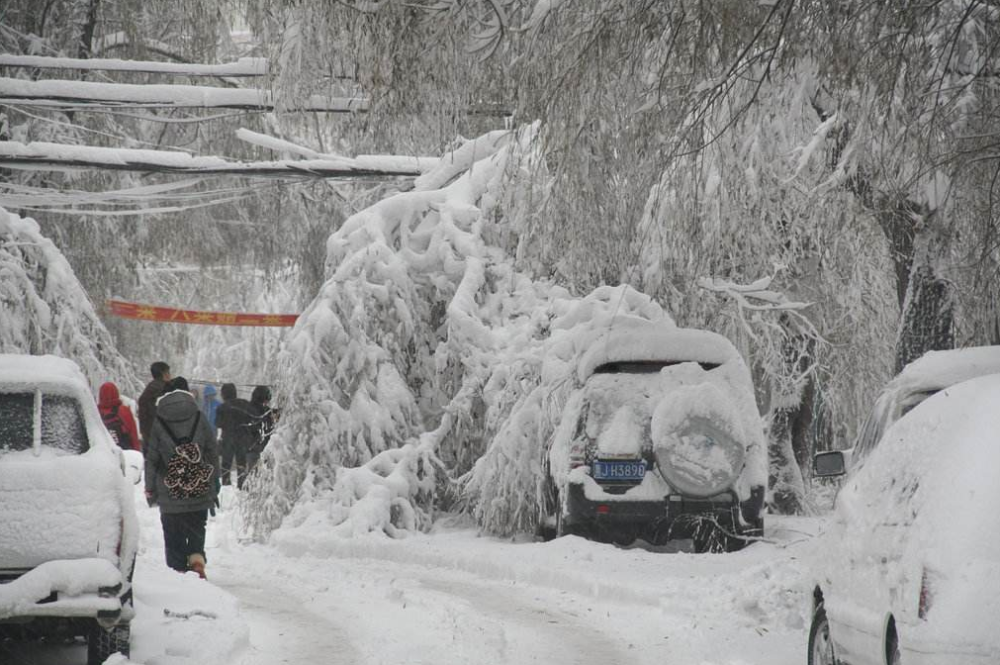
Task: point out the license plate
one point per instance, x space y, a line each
619 470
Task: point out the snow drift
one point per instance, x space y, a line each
430 369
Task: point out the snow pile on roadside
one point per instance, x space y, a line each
46 309
427 334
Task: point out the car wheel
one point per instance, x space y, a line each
565 529
710 539
820 644
102 643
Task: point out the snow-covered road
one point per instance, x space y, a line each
453 597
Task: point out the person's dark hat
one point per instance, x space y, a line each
228 391
178 383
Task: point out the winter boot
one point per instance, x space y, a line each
196 562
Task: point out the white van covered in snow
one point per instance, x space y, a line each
68 528
664 441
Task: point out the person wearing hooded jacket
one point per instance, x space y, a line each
209 404
183 519
118 417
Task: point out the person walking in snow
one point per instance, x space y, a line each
182 470
262 426
209 404
147 401
235 425
118 417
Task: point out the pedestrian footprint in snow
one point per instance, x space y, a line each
182 470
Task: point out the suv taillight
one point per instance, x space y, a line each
577 456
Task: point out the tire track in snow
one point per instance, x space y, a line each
552 636
282 627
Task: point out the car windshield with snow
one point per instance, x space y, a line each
662 442
922 378
68 529
908 571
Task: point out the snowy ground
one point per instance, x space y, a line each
454 597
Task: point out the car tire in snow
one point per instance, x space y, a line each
564 529
820 645
710 536
101 643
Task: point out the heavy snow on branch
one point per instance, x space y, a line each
46 310
427 356
55 157
242 67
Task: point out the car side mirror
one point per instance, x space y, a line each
829 464
134 464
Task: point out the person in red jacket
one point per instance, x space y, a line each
118 418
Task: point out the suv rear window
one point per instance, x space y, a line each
645 366
63 427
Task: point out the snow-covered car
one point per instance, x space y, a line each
929 374
909 572
664 441
68 527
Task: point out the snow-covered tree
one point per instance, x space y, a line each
44 310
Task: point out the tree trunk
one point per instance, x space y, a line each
790 445
87 32
927 319
785 475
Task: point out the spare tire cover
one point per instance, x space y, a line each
697 441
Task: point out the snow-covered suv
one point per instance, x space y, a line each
664 441
68 527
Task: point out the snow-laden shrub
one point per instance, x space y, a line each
428 356
43 308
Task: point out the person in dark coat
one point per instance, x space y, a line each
234 420
182 470
147 401
118 417
262 426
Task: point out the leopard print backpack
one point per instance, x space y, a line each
188 475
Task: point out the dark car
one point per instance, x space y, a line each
663 441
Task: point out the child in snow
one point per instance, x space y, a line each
182 469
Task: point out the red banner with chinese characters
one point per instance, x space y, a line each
131 310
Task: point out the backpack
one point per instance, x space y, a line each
114 424
188 476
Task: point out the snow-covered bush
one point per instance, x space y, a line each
44 310
427 351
